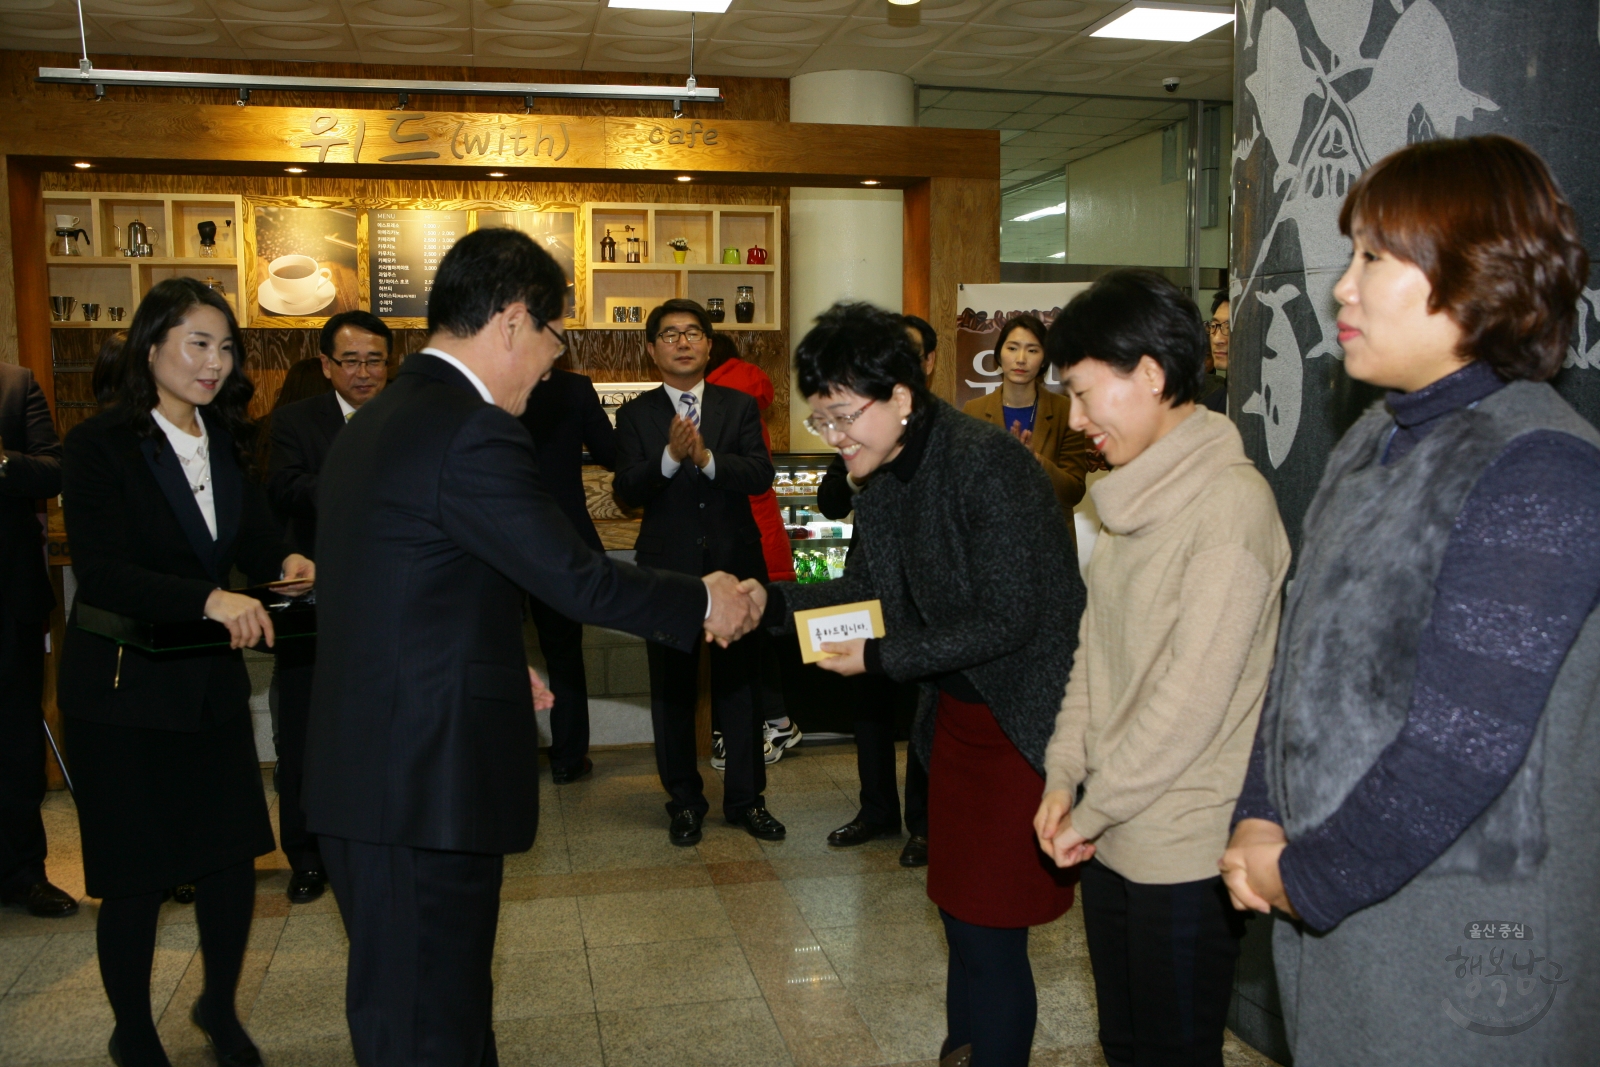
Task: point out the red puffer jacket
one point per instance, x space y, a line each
749 378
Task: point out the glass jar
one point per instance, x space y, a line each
714 309
744 309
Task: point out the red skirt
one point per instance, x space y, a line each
984 864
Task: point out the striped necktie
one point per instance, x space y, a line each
690 411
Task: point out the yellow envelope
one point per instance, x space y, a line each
841 622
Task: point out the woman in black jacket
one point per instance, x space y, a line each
984 620
159 510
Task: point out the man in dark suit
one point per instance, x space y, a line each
30 468
565 419
422 756
691 454
355 358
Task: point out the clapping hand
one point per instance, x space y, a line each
685 443
543 698
1052 826
1250 867
736 607
1026 437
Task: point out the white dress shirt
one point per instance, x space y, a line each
344 405
477 382
669 466
194 456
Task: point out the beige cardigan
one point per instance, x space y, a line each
1173 655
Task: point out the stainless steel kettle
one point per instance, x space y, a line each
141 239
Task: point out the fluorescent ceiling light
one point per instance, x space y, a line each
1058 255
1151 20
705 7
1058 209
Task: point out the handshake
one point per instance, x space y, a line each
736 607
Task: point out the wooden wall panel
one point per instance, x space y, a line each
30 281
964 246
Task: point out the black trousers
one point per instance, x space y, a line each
22 753
291 690
876 700
561 642
990 999
674 690
1163 958
419 991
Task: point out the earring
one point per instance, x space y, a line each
904 421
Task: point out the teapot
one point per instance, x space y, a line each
141 239
757 254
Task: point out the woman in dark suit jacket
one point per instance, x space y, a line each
984 620
159 510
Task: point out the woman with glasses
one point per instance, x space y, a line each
1214 389
1032 414
984 620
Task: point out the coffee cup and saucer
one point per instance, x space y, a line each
295 285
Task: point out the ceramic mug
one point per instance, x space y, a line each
66 222
297 278
730 255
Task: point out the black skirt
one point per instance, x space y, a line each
158 808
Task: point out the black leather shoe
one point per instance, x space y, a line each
306 886
915 854
567 775
183 894
685 829
859 832
42 899
759 823
248 1056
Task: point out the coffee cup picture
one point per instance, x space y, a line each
297 278
305 262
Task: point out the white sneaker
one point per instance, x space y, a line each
779 739
719 751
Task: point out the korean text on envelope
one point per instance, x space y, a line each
843 622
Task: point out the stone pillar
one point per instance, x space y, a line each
1324 89
844 244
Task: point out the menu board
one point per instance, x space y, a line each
405 247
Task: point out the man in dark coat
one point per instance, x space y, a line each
691 454
355 358
421 755
30 468
565 420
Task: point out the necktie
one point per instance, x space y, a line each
690 411
347 417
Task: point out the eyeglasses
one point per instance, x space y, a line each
1217 329
694 335
351 364
561 339
837 424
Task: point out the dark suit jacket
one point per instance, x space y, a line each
302 434
432 522
564 417
692 523
140 547
34 471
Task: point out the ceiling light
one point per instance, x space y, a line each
685 178
1056 209
83 166
904 3
295 170
871 181
709 7
1151 20
497 174
1058 255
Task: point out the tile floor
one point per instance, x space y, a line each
615 948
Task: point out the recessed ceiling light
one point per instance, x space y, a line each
905 3
712 7
83 166
295 170
1152 20
1054 209
685 178
871 181
497 174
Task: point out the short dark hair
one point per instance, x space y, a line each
162 310
103 379
361 320
1218 298
486 272
864 349
679 306
1129 314
722 350
1023 321
930 339
1483 218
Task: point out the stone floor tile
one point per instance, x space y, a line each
907 1021
16 953
547 856
38 1028
739 872
300 1006
885 954
739 1033
538 926
644 917
311 943
854 900
549 1041
823 1029
542 983
626 849
670 972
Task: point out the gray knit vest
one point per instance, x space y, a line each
1374 543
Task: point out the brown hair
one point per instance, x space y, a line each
1483 218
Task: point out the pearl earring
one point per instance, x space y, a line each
904 421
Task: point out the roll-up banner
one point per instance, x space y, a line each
984 310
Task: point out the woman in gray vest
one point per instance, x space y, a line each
1421 807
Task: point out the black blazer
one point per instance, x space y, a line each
302 434
432 522
564 417
33 472
140 547
692 523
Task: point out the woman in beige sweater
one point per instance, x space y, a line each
1154 733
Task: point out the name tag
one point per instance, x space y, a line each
842 622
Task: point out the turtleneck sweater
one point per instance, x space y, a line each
1520 574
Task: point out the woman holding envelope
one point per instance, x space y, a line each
983 618
160 509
